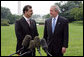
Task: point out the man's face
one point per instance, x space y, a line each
29 12
53 13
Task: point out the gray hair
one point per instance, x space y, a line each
56 8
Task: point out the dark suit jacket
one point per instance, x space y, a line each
59 38
22 29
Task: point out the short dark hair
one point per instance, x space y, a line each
26 8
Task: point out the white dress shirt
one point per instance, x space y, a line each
55 20
27 19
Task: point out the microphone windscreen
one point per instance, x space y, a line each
37 41
44 43
26 40
31 45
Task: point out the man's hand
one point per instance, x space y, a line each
63 50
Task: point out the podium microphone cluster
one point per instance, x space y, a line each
25 44
33 44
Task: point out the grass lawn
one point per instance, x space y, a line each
8 40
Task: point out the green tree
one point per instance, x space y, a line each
5 22
77 13
67 7
46 16
5 12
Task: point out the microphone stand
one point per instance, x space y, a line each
12 54
25 53
47 52
16 52
30 51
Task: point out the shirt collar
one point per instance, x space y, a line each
56 17
26 18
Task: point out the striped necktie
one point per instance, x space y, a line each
53 25
28 21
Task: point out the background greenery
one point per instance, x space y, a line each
8 39
72 10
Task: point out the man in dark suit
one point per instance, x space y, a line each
56 32
25 26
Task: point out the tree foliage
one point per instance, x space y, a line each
77 13
72 10
6 14
5 22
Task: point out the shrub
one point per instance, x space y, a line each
5 22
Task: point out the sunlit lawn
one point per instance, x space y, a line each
8 40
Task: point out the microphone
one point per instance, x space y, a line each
45 46
31 46
37 44
25 43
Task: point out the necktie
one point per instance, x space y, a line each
53 25
28 21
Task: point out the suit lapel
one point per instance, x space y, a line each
57 25
25 24
50 25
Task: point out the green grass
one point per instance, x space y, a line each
8 40
75 40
